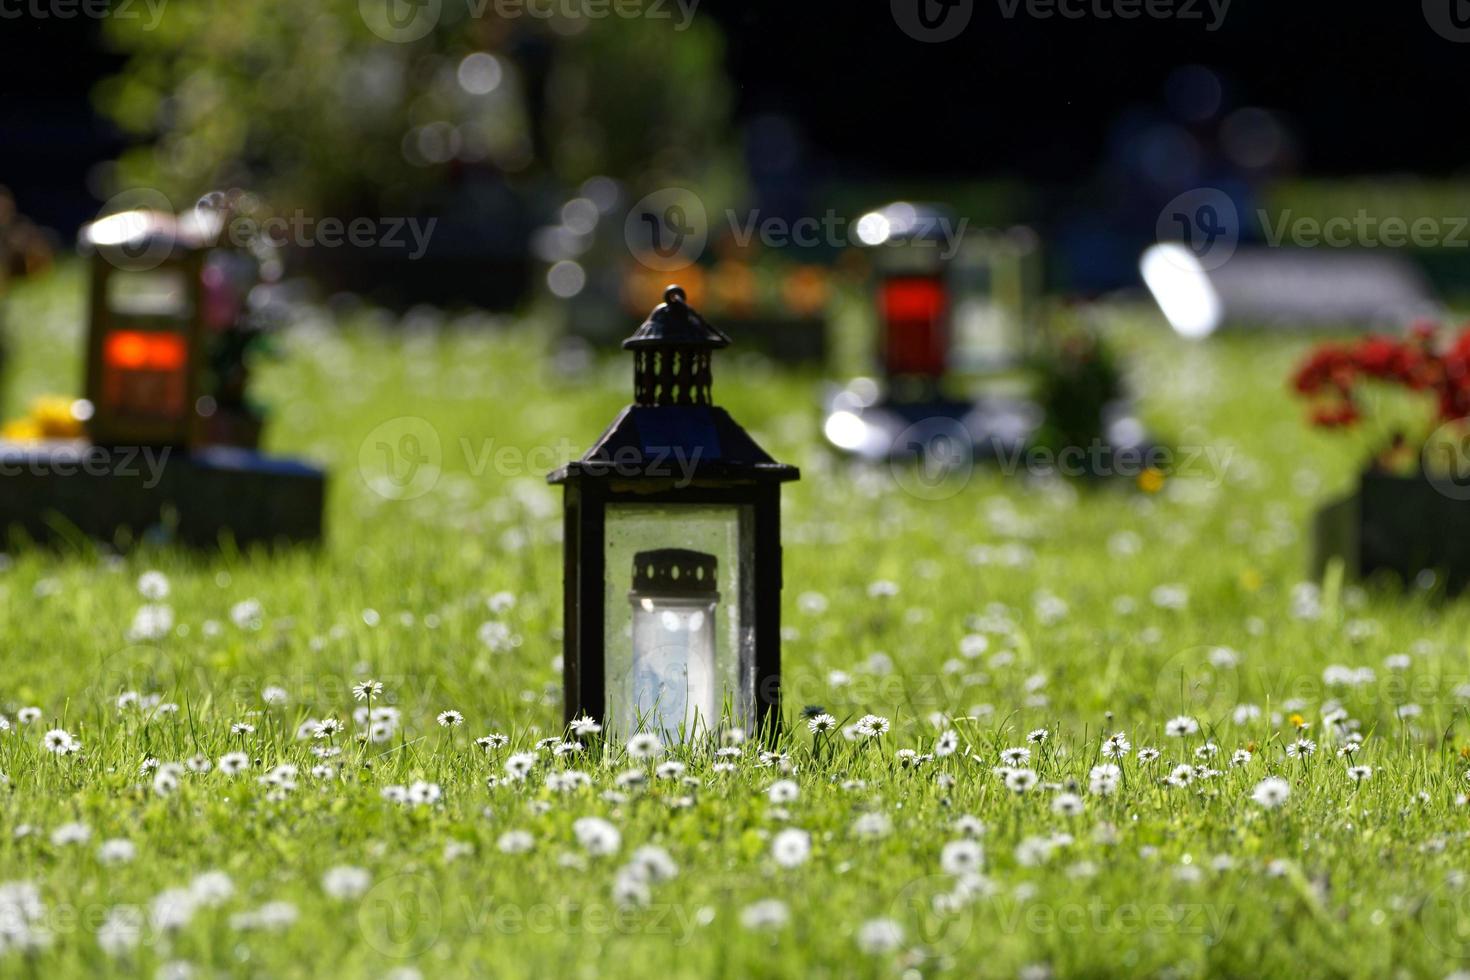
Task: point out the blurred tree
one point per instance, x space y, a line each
307 105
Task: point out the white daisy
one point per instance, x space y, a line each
1271 792
60 742
1020 780
1180 726
770 913
366 690
346 881
645 745
877 936
1018 756
961 857
791 847
597 836
783 791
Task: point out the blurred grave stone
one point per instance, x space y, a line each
1285 289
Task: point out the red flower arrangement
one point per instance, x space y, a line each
1333 375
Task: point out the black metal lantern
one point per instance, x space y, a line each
672 583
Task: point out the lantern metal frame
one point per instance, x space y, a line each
672 414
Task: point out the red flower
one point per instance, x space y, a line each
1335 416
1332 371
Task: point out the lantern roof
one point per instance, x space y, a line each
674 323
673 433
142 228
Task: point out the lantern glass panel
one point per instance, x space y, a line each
154 292
679 663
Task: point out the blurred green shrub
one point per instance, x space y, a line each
304 104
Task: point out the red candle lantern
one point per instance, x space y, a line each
913 298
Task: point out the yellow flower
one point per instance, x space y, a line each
53 417
1151 480
21 430
1296 720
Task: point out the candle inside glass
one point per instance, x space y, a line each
673 687
673 678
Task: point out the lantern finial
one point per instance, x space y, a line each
671 354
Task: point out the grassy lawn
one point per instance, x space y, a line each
969 617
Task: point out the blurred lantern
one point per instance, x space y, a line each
170 323
913 300
672 579
169 332
143 352
950 304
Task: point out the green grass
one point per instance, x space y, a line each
1343 879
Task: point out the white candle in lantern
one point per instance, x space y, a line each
673 683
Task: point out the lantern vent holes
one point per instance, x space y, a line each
671 363
674 571
675 376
